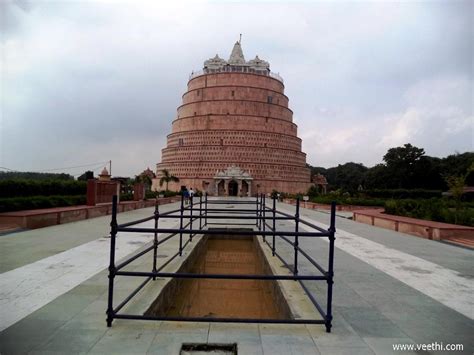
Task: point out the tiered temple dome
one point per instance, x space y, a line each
234 133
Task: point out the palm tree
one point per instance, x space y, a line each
167 177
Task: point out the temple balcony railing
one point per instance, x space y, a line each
236 69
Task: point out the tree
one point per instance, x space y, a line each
404 167
167 177
316 170
313 191
401 163
427 174
456 188
86 176
9 175
377 177
458 164
347 177
143 178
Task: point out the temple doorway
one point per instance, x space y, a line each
245 188
232 181
233 188
221 188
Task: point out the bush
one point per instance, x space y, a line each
439 210
299 195
169 193
403 193
17 175
151 194
313 191
23 187
343 200
126 197
274 194
465 217
35 202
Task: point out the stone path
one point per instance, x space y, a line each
444 285
30 287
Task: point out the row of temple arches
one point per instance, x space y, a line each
233 188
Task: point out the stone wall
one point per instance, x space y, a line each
234 123
236 79
235 107
418 227
225 153
230 137
235 93
32 219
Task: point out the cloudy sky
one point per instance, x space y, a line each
83 82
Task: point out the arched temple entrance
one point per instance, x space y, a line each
245 188
233 181
221 188
233 188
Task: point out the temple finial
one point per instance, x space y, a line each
237 56
240 39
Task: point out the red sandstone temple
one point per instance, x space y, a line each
234 134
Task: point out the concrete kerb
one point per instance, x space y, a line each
299 303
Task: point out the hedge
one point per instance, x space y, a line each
168 193
439 210
22 187
402 193
36 202
126 197
340 200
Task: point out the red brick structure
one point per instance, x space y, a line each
138 191
101 191
321 183
234 133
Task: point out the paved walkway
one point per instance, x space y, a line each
390 288
30 287
444 285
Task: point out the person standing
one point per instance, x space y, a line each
186 196
191 194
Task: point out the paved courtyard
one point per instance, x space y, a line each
390 289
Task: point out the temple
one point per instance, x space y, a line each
234 133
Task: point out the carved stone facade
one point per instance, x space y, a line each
234 128
321 183
233 181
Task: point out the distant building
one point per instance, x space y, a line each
234 133
320 182
104 175
148 172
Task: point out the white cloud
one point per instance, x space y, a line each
402 128
458 124
439 112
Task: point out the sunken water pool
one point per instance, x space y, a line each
217 298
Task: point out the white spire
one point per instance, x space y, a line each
237 56
237 59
